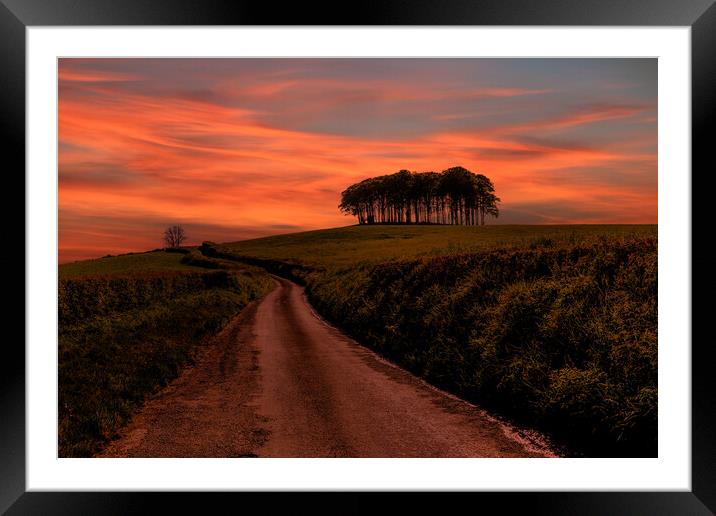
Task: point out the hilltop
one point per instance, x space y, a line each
378 243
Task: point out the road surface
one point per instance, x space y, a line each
281 382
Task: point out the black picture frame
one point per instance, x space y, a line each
17 15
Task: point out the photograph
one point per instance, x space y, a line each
357 257
310 256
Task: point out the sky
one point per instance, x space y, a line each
241 148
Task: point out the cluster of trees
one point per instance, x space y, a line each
453 196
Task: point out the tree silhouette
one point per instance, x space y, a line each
174 236
453 196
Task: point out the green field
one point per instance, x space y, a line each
554 327
126 264
377 243
127 324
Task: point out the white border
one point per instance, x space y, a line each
670 471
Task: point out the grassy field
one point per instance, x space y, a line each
135 264
552 326
127 324
352 245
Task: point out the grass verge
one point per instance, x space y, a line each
122 338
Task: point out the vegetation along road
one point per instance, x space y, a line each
281 382
202 352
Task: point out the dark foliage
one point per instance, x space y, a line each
454 196
563 339
80 298
294 272
197 259
180 250
121 338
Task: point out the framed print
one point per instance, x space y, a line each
401 250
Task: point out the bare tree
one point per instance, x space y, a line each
174 236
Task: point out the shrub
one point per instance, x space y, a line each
562 338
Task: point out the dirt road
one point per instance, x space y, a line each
281 382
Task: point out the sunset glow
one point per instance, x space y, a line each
240 148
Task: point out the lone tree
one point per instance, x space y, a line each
174 236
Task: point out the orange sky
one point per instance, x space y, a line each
238 148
